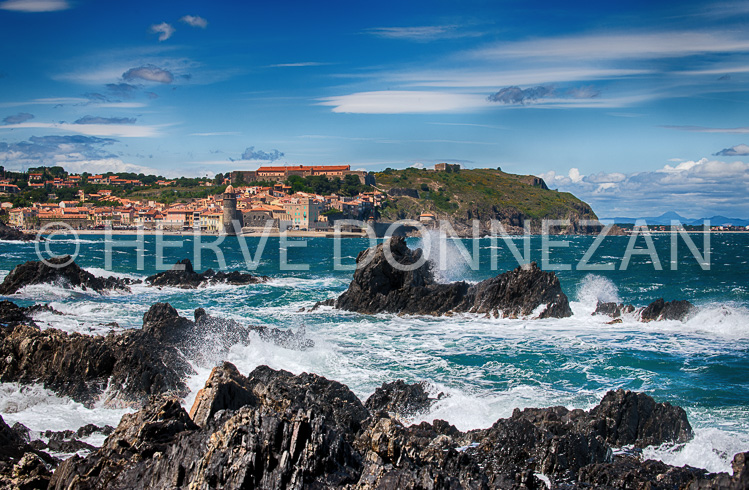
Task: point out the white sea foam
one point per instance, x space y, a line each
39 409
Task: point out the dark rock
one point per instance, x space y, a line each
401 399
12 314
21 465
657 310
284 391
133 364
30 473
54 272
90 429
630 472
626 417
182 275
225 389
275 430
402 191
379 287
23 432
611 309
11 234
738 481
163 322
268 443
671 310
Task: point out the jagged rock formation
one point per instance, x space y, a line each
182 275
21 465
133 365
54 272
401 399
8 233
380 287
12 314
275 430
671 310
658 310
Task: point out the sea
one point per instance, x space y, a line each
484 366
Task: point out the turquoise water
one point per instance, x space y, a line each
486 366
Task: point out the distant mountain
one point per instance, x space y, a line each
666 218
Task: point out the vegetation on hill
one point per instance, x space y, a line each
482 194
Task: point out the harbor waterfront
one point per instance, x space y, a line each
486 367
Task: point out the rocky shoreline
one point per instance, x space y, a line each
11 234
276 430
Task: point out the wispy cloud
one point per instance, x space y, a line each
54 150
19 118
299 64
194 21
150 73
124 90
105 120
217 133
630 45
404 102
734 151
121 130
164 30
423 33
703 129
47 101
35 5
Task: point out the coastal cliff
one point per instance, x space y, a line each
481 194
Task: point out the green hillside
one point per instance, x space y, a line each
482 194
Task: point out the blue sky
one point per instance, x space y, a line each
637 108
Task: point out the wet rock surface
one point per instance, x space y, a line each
401 399
8 233
132 364
273 429
55 271
658 310
128 366
12 314
379 287
182 275
21 465
667 310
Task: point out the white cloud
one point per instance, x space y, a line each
35 5
47 101
417 165
404 102
194 21
630 45
164 30
575 175
121 130
696 188
483 78
423 33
